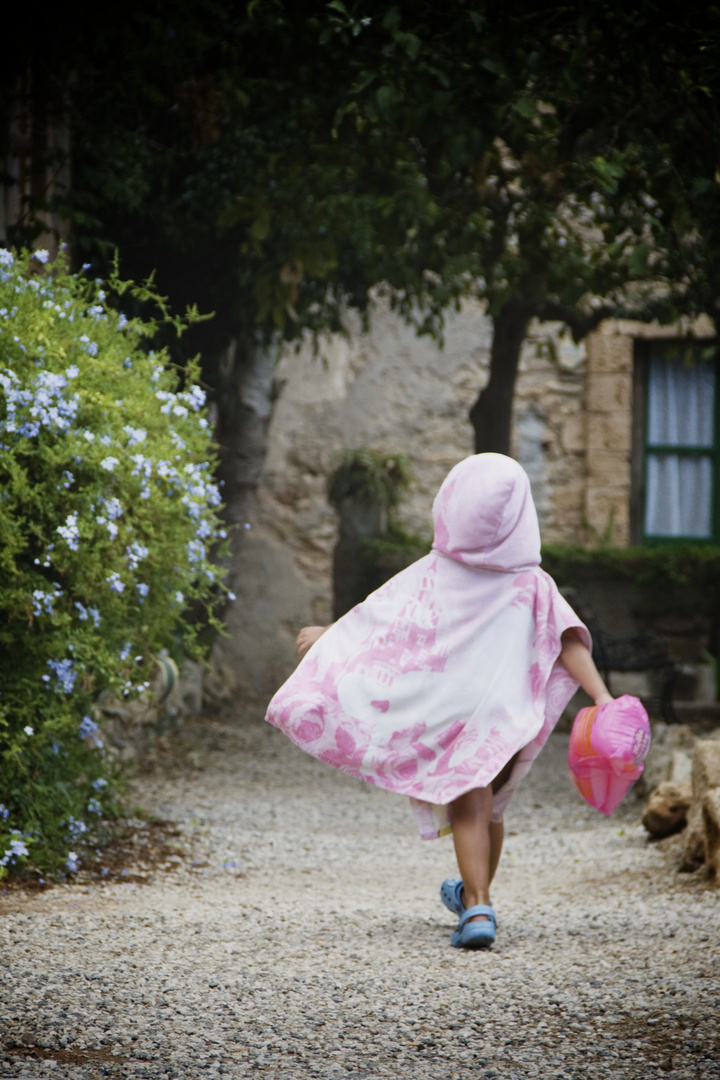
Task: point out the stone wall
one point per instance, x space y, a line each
388 389
608 425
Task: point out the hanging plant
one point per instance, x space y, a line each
369 475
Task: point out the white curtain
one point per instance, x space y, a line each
681 407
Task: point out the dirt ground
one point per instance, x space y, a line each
273 918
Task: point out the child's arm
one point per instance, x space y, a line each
576 659
307 637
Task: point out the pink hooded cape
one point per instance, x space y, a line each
432 684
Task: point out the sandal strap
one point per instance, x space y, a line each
477 909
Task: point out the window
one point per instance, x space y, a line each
681 462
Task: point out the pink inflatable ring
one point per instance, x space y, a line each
608 744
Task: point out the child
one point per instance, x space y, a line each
446 682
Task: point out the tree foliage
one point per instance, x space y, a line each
275 160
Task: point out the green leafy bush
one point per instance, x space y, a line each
368 474
668 576
108 512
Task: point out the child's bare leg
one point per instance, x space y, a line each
497 835
474 848
478 839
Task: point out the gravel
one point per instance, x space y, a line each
300 934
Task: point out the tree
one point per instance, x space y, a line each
537 157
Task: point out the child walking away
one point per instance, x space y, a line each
446 682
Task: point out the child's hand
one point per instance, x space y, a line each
307 637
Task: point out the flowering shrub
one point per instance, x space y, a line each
107 513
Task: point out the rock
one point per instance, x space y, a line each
191 688
693 852
667 809
660 763
705 768
680 768
183 696
711 829
705 779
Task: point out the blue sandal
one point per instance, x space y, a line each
450 894
475 935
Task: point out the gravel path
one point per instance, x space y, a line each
302 936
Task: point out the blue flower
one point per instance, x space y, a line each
17 850
196 551
72 863
110 525
113 508
43 602
94 807
135 553
41 255
143 589
196 396
70 532
109 463
135 435
115 583
90 346
99 784
65 675
76 828
142 466
88 727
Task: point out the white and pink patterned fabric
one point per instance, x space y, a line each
432 684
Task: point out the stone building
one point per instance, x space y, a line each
604 429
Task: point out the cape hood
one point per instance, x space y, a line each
484 515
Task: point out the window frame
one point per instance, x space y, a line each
645 351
